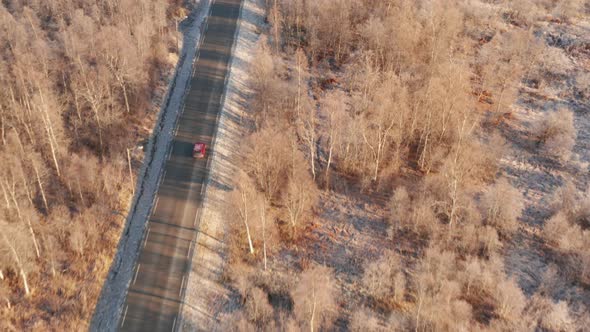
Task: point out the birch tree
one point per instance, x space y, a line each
16 250
45 105
385 116
503 205
333 104
315 299
263 222
120 56
5 293
267 161
308 130
242 202
301 195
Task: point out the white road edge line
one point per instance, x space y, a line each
177 124
146 237
136 273
156 205
181 285
189 248
174 324
124 316
196 217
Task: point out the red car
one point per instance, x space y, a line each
199 150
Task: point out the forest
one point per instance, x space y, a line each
80 83
407 165
414 165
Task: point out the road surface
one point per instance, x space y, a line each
154 295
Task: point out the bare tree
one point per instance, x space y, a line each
334 104
263 222
502 205
44 103
555 229
119 56
243 208
401 206
302 78
17 251
459 167
301 192
384 279
267 161
307 126
556 133
558 318
436 282
365 320
258 310
263 80
504 61
328 25
315 298
276 20
509 299
5 293
53 253
40 176
78 238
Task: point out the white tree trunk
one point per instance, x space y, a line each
18 264
26 284
312 320
263 216
245 219
328 165
40 186
50 134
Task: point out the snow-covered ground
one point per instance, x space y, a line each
205 294
110 303
538 176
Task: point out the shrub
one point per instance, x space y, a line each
556 133
384 280
502 205
258 310
365 320
558 318
555 228
315 298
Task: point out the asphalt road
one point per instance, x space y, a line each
154 296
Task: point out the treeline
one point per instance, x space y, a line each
77 81
369 93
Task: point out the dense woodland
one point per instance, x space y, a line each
401 102
78 79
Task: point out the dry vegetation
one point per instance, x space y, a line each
78 79
375 194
